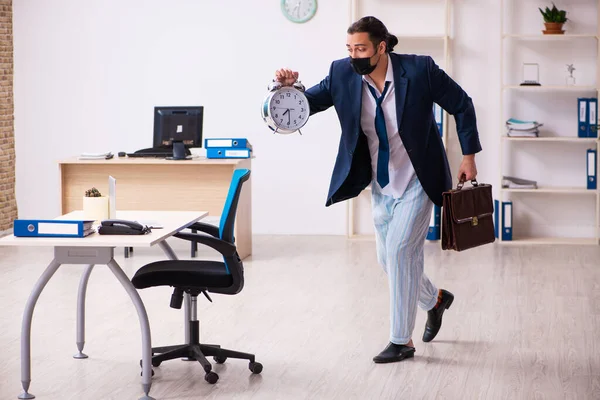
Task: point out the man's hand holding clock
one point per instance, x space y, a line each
286 76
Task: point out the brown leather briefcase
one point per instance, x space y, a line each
468 216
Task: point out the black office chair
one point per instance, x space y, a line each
195 277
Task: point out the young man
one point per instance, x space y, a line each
390 140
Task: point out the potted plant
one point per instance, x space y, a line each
95 206
554 20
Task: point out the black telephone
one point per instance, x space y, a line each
122 227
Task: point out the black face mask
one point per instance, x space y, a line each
362 66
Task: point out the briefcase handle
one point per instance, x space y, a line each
461 182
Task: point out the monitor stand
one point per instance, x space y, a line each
179 152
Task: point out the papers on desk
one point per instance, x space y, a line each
95 156
53 228
511 182
518 128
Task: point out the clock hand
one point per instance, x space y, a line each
286 111
296 9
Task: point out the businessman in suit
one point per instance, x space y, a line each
390 141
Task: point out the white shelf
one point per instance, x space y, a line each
362 237
541 36
543 88
441 36
567 139
556 190
550 241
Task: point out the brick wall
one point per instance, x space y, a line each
8 203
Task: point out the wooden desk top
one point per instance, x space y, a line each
172 222
150 160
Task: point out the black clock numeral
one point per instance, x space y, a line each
281 96
277 101
295 122
288 123
295 97
300 102
300 117
276 115
288 94
302 110
281 121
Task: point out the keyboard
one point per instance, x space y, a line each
156 152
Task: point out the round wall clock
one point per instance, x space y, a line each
299 11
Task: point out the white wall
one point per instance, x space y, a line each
88 74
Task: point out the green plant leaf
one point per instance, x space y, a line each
562 17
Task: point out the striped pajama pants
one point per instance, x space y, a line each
401 228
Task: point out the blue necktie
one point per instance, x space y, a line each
384 148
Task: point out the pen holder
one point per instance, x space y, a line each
95 208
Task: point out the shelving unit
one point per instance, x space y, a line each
550 139
510 142
445 38
554 88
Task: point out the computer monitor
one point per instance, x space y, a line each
178 128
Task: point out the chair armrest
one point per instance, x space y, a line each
223 247
206 228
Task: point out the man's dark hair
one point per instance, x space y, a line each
377 32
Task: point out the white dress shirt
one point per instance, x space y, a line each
400 168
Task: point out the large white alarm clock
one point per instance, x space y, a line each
285 109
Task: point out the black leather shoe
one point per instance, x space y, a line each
394 352
434 316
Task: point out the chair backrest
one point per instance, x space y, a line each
229 209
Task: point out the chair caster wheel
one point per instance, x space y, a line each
219 360
156 363
255 367
211 378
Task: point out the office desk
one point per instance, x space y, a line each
99 249
159 184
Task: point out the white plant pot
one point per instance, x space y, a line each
95 208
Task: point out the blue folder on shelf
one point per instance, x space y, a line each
592 169
439 118
592 123
583 117
434 225
226 142
52 228
507 219
227 152
496 214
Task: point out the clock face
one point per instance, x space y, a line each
289 109
299 10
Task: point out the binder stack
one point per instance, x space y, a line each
519 128
587 121
227 148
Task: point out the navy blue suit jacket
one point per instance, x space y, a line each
419 82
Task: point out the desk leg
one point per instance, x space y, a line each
26 328
144 324
80 339
186 297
